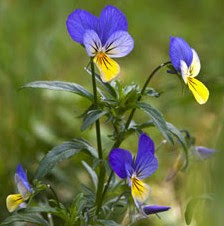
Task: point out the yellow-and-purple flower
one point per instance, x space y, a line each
18 200
186 61
135 169
104 38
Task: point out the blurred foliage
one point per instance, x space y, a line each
34 45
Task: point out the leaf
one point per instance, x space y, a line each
91 117
60 153
25 217
61 86
106 85
181 139
157 119
189 211
151 92
176 133
92 174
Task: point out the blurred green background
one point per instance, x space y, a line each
35 45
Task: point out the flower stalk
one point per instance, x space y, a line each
99 144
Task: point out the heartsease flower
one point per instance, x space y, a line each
186 61
135 169
104 38
18 200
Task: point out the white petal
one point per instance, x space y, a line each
184 70
92 42
195 65
119 44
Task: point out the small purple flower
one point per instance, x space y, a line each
154 209
186 61
104 38
135 169
18 200
203 152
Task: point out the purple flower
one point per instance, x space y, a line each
104 38
135 169
203 152
186 61
15 200
154 209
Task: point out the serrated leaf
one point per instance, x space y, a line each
92 174
91 117
25 217
61 86
157 119
60 153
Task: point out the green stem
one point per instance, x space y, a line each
54 194
118 142
98 135
99 145
143 90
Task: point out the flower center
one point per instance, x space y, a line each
101 55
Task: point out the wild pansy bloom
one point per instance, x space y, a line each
18 200
104 38
135 169
186 61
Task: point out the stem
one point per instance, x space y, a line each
98 136
118 142
102 172
143 90
54 194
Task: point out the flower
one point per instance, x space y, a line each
135 169
18 200
186 61
104 38
147 210
203 152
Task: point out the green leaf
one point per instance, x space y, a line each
181 139
190 208
25 217
92 174
60 153
106 85
176 133
151 92
157 119
91 117
61 86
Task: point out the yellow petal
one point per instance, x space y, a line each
198 89
108 68
139 190
13 202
